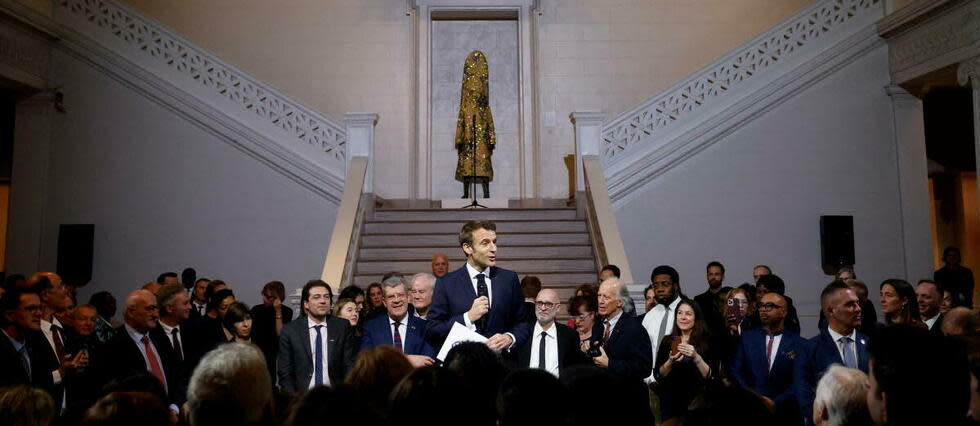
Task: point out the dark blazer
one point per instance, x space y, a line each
377 332
629 350
295 359
453 297
120 358
750 369
821 352
569 353
193 345
41 357
937 327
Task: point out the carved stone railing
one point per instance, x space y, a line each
150 51
626 136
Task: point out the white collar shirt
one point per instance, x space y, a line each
323 340
138 340
402 330
551 348
929 322
835 336
169 332
652 321
775 347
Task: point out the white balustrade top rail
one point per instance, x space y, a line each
171 54
640 125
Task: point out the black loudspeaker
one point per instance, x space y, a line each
836 241
75 243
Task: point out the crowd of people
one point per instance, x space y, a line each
187 351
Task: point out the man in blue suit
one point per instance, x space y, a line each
399 329
765 359
480 296
841 344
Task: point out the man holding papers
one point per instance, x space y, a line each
479 296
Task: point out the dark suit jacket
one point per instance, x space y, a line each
295 369
569 353
937 327
629 350
193 345
453 297
377 332
120 358
750 369
41 356
821 352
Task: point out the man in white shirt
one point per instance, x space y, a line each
929 298
552 347
659 322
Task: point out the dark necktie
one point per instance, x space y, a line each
542 350
663 325
318 358
177 348
397 337
59 345
155 368
481 291
25 359
605 334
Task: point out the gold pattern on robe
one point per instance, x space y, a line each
475 120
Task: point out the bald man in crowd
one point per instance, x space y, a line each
553 347
440 264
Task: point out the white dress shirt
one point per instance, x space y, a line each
168 331
323 339
835 336
550 348
49 335
402 330
651 321
138 339
486 279
929 322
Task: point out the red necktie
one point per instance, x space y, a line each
769 351
397 338
155 368
59 345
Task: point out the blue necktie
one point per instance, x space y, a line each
481 291
849 360
25 359
318 359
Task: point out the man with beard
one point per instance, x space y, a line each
711 300
552 347
659 322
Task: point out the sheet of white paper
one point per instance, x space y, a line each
458 334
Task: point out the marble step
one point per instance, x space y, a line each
452 239
456 215
544 265
456 255
452 227
548 279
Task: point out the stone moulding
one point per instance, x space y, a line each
252 116
669 127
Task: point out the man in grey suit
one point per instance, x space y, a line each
318 350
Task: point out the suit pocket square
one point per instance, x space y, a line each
791 354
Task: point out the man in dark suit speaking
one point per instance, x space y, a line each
316 350
480 296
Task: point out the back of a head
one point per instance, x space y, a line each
26 406
843 393
230 386
531 397
530 286
480 372
728 405
376 372
773 283
329 406
915 369
127 408
430 395
589 387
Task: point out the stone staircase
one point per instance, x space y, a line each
549 243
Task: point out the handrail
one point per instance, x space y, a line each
602 223
335 265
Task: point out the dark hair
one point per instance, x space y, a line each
717 405
369 305
375 373
429 390
101 301
948 250
466 234
10 300
276 288
25 405
648 288
939 287
163 277
768 269
167 293
524 392
305 294
830 289
749 290
906 360
215 300
530 286
188 277
715 263
666 270
588 290
237 312
127 408
351 292
210 289
773 283
613 268
910 313
699 333
12 279
480 372
576 302
333 405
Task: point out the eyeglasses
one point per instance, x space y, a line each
546 305
769 306
582 317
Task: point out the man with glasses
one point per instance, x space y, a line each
399 329
24 354
766 357
552 347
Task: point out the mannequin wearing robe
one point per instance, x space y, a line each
475 122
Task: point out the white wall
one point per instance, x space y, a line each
757 195
165 194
